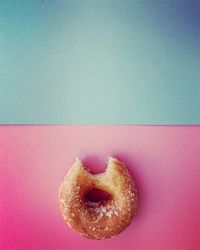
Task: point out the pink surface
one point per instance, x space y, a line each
165 161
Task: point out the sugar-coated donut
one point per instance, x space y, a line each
101 219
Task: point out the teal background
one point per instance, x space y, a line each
99 62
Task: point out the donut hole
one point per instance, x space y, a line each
97 195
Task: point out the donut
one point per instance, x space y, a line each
104 218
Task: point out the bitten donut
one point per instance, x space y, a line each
105 218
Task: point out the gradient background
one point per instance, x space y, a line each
100 61
164 160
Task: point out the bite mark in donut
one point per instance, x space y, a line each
104 218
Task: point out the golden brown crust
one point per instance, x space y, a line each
98 220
